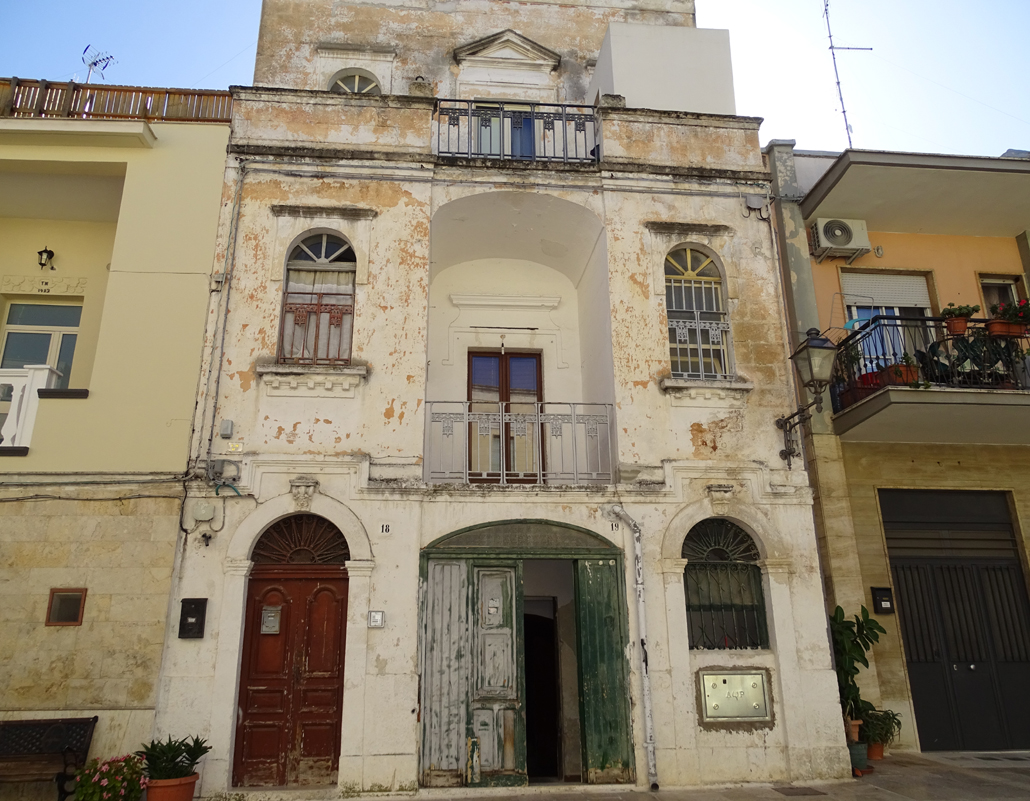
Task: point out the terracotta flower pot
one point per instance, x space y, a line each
172 789
875 751
852 730
956 325
1003 328
899 375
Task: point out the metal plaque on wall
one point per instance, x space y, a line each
731 695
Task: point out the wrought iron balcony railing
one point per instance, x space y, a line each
471 442
516 131
914 351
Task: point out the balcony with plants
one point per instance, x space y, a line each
897 368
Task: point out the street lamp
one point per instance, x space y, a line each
813 360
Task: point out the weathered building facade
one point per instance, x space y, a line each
920 464
108 215
488 486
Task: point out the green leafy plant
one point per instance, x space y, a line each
172 759
118 779
851 640
959 311
1016 312
879 726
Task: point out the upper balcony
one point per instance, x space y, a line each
21 98
909 379
418 127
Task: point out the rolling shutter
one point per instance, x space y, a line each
874 289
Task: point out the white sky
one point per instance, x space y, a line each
944 75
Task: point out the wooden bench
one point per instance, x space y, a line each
45 750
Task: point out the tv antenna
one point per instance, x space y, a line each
833 52
96 61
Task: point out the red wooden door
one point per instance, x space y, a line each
291 679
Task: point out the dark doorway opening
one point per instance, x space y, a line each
543 711
554 743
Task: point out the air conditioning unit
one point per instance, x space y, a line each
836 238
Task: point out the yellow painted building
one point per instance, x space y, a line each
921 468
109 201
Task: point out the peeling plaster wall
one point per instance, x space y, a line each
439 232
422 35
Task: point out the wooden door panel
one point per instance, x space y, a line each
291 683
604 689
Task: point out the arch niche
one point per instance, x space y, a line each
487 589
292 667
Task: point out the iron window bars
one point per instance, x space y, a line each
723 588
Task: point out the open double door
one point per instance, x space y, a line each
476 657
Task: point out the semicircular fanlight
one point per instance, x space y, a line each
302 539
718 540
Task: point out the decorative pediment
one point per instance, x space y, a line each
507 49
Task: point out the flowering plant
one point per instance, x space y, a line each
959 311
118 779
1014 312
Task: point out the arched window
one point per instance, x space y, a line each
699 327
723 585
355 82
318 302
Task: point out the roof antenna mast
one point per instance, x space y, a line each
96 61
833 52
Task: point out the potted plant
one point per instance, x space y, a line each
851 640
1009 319
171 767
880 727
902 373
121 778
956 318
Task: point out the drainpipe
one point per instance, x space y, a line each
645 678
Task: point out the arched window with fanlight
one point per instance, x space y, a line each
723 587
699 328
318 302
355 82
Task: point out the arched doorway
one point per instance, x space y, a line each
289 714
524 670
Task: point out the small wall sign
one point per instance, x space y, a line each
376 620
192 618
731 695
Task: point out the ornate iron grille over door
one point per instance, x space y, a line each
723 588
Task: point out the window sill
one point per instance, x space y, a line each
706 393
311 381
14 450
79 394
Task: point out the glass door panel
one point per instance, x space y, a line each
504 390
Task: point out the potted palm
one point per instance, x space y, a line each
1009 319
880 727
956 318
851 640
171 767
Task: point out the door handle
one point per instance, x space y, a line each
972 667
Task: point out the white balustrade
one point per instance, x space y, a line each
21 418
519 443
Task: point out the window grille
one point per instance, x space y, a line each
699 327
355 82
723 587
318 302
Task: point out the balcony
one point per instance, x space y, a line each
21 98
516 131
19 402
542 443
900 379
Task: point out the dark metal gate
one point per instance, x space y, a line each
964 616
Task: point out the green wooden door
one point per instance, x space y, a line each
603 673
